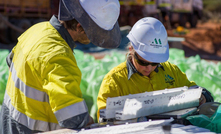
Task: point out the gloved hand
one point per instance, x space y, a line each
207 94
202 99
91 121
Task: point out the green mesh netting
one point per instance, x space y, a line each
3 73
212 123
204 73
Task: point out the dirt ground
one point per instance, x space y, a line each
204 40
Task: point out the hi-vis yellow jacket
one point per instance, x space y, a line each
44 82
116 82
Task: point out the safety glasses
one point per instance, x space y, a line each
143 63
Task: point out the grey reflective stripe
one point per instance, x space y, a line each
28 91
9 58
71 111
27 121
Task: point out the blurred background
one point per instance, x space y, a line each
180 17
194 35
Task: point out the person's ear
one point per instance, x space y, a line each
130 48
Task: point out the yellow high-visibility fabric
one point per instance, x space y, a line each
165 5
116 82
44 61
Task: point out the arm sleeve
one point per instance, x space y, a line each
108 88
62 79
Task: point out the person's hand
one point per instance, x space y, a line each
202 99
91 121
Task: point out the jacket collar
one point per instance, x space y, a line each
63 31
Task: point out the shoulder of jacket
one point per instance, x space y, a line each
117 71
168 64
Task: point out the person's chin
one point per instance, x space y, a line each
146 73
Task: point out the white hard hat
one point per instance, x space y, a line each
97 17
103 12
148 37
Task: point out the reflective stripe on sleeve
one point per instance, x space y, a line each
71 111
28 91
26 121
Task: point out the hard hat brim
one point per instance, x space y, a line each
153 57
72 9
